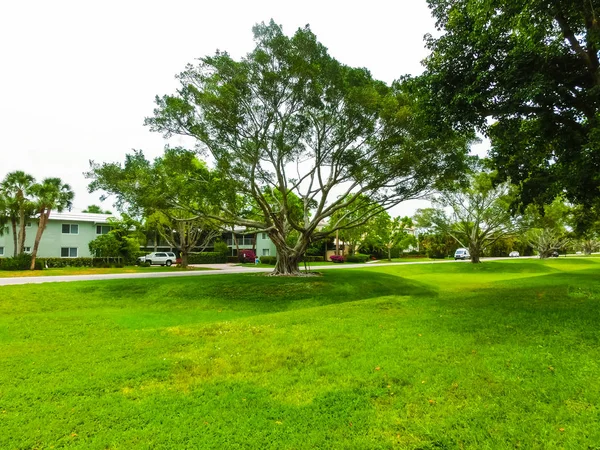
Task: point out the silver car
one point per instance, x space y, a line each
159 258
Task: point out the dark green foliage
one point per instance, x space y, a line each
357 258
309 258
221 247
532 69
19 262
268 260
207 258
51 263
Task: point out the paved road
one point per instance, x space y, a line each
216 269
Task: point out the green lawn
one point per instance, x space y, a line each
500 355
92 271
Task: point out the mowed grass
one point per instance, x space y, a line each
61 271
434 356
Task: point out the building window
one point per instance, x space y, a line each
266 251
68 252
103 229
1 251
70 228
27 250
28 225
264 236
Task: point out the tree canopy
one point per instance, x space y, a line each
526 74
291 119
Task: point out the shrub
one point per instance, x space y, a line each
247 256
272 260
71 262
357 258
207 258
308 258
221 247
233 259
20 262
337 258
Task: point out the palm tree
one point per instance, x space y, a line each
4 215
15 187
50 194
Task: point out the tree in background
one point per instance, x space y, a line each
174 193
526 74
480 215
122 242
16 189
387 233
289 117
95 209
184 231
548 227
51 194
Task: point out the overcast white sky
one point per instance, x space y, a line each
77 78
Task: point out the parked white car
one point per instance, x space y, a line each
461 253
514 254
159 258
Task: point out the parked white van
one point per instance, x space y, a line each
461 253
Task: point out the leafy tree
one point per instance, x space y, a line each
4 215
95 209
184 231
388 233
548 226
479 217
289 117
51 194
16 188
526 74
106 246
174 193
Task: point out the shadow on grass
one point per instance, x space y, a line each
259 294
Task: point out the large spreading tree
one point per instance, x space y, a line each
291 119
526 73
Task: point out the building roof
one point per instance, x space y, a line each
81 217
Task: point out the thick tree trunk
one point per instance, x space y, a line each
287 264
13 222
475 252
38 238
288 258
184 259
389 253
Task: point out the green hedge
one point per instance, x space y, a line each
268 260
357 258
308 258
20 262
207 258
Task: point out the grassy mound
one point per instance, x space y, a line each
498 355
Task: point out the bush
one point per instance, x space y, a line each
308 258
357 258
207 258
337 258
71 262
233 259
20 262
247 256
221 247
272 260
